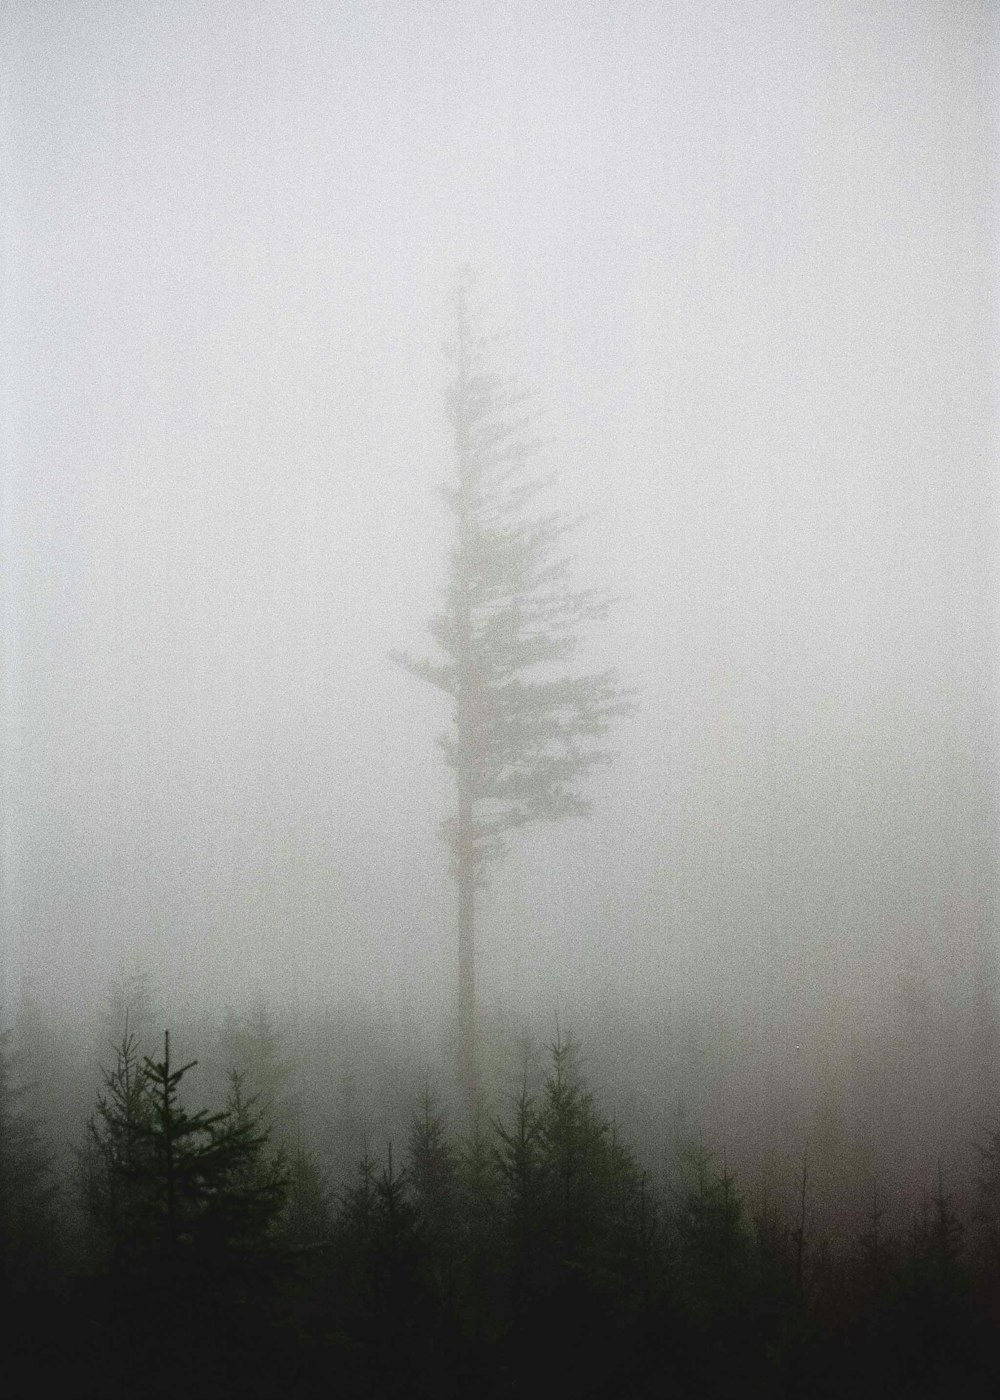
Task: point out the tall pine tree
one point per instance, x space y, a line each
526 726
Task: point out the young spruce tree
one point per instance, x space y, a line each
166 1189
526 727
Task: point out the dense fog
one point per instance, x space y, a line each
743 255
712 1107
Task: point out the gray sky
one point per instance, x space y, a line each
744 251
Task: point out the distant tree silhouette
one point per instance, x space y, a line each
383 1294
251 1044
432 1171
579 1222
711 1238
28 1191
133 1004
307 1219
525 728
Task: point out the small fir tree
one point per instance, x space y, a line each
167 1188
116 1161
28 1193
432 1173
307 1221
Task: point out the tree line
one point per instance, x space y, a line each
531 1252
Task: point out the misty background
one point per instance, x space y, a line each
746 256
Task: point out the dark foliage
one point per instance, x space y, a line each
28 1192
170 1192
530 1256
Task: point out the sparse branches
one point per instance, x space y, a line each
524 731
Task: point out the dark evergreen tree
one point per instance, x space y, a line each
377 1228
936 1242
517 1155
383 1296
481 1293
525 728
28 1192
116 1163
876 1250
711 1240
245 1184
170 1190
577 1215
251 1044
432 1172
307 1220
592 1183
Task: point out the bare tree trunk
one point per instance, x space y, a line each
466 878
168 1147
465 843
